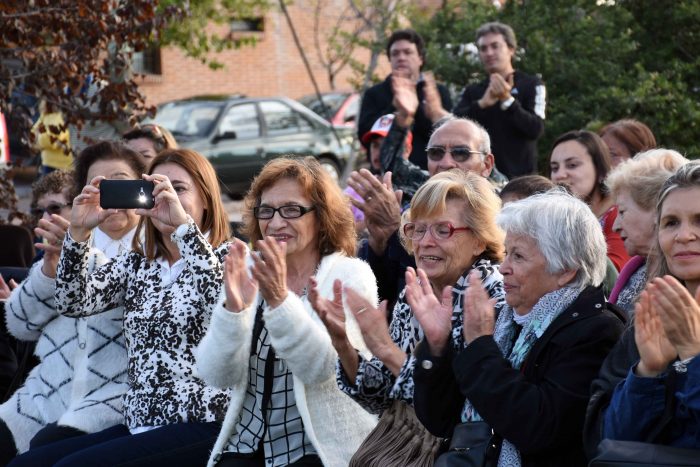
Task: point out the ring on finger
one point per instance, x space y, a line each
361 310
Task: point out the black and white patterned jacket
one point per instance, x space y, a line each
162 324
376 387
81 377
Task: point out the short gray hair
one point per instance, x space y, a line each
484 138
566 231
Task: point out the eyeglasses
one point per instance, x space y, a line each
289 211
439 231
52 208
459 153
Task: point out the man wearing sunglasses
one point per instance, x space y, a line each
510 104
457 143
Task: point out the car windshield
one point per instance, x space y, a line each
333 102
189 119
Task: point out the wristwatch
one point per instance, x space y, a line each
505 105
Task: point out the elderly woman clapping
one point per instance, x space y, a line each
451 231
525 374
265 341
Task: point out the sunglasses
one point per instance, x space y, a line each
289 211
52 208
459 153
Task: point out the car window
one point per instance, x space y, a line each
241 119
352 110
188 119
280 118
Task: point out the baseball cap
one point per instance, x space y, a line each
381 128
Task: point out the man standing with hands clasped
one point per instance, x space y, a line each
510 104
406 52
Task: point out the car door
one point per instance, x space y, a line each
287 132
236 147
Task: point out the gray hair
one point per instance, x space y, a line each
566 231
484 138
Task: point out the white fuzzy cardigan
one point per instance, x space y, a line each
335 424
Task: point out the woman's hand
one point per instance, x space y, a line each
240 289
331 312
167 208
679 313
434 316
52 231
87 213
5 288
479 314
270 270
655 350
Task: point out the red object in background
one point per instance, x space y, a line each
4 141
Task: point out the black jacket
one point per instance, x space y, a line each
377 101
541 407
514 132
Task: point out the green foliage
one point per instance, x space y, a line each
600 62
190 31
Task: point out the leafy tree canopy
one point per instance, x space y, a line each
76 54
601 60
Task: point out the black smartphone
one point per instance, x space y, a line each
126 194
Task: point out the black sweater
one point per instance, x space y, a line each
514 132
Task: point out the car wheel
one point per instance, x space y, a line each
331 167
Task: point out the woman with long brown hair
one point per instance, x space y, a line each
167 286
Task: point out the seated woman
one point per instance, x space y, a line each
526 373
148 140
658 401
635 185
80 380
265 341
451 231
581 161
165 286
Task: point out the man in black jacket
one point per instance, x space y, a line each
406 52
510 104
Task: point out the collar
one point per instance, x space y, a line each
109 246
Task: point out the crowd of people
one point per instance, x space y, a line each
430 314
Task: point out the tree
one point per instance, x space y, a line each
76 55
598 59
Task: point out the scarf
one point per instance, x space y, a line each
540 317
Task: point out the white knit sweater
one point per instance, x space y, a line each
335 424
81 377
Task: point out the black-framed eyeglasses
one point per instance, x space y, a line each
459 153
439 231
288 211
52 208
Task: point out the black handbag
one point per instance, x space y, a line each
473 444
614 453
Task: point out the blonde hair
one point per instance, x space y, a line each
644 175
481 206
336 225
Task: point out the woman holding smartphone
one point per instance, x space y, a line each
167 285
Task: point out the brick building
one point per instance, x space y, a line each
271 67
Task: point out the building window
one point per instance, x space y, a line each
247 25
148 61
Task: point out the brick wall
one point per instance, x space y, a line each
272 67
